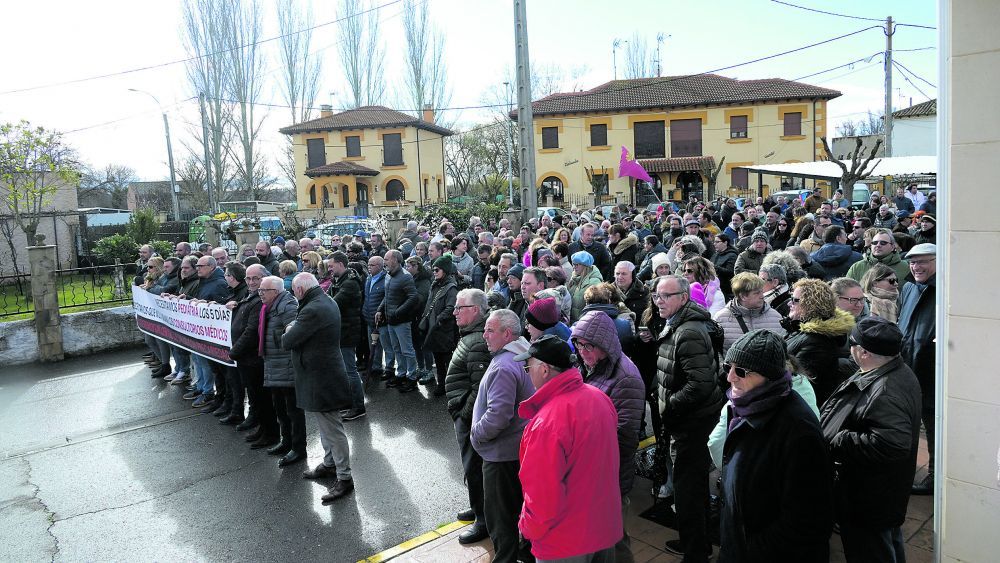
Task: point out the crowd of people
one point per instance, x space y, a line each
787 344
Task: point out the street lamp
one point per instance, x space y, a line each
170 155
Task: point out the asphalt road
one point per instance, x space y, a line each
98 462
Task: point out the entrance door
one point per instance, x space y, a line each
690 184
362 190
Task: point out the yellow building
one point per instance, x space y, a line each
676 127
351 162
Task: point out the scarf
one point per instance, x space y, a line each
884 303
261 328
760 399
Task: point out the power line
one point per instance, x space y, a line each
827 13
915 75
189 59
126 118
914 25
907 78
916 49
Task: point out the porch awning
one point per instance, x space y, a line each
341 169
826 170
679 164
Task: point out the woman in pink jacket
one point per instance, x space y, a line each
569 460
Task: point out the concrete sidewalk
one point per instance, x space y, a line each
648 538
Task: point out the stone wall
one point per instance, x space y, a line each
83 333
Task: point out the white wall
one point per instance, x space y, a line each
969 503
914 136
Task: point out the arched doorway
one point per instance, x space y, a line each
690 184
346 195
394 191
646 192
552 186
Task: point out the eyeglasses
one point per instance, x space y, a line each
852 300
740 372
263 289
686 271
254 278
880 243
551 279
782 224
795 300
586 346
892 281
202 266
665 296
457 307
921 262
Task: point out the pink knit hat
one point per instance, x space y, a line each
698 294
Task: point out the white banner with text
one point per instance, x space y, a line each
203 328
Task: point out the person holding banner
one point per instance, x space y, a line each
247 314
279 376
321 384
212 287
232 407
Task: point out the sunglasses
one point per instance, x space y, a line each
740 372
551 279
880 243
892 281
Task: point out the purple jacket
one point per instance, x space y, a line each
619 379
496 427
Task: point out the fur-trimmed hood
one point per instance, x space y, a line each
840 324
626 243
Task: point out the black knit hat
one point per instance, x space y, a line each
878 336
445 263
761 351
550 349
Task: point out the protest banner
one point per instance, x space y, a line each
202 329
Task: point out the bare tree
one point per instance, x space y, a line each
191 180
871 124
113 181
206 34
858 169
426 72
712 175
362 55
638 63
300 73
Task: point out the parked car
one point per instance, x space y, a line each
552 212
668 207
789 195
341 227
860 195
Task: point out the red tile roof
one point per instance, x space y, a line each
919 110
676 92
341 169
679 164
365 117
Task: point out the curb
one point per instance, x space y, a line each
411 544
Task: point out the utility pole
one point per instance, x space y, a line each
170 156
506 139
888 86
525 121
208 159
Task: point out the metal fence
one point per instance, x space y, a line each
92 287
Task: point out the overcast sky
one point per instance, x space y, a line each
47 42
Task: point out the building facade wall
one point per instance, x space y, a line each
429 166
968 504
765 143
914 136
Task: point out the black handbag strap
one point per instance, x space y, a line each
743 324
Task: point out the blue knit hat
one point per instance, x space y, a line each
583 258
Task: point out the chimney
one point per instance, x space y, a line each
326 110
428 113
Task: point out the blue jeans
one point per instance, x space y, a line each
357 388
206 377
383 346
402 348
182 360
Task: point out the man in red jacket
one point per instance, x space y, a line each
569 460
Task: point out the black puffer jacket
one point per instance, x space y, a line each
725 269
441 330
820 348
401 303
346 291
466 370
687 368
872 423
246 319
637 298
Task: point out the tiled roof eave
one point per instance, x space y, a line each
644 108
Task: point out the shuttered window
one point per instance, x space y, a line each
550 137
738 127
685 137
793 123
650 139
354 146
599 135
392 149
741 178
317 152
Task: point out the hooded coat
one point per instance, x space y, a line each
314 340
625 250
893 260
836 259
619 379
687 368
820 348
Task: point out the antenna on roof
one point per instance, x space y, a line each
659 43
614 56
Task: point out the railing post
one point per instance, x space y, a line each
48 327
119 280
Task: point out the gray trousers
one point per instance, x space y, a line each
337 450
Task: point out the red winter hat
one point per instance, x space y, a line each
543 313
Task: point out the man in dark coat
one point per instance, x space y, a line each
468 364
212 287
263 252
250 364
602 257
689 400
776 499
635 292
872 423
918 323
321 385
345 289
398 308
374 295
